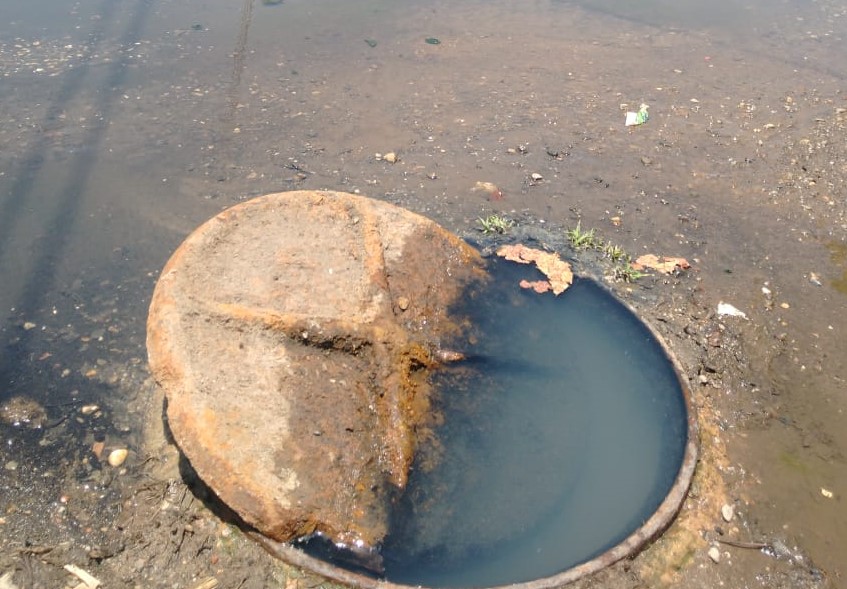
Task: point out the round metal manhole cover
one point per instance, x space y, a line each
291 335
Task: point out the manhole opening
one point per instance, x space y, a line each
564 430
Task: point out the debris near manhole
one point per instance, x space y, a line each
207 583
490 189
539 286
389 157
6 581
745 545
663 264
637 118
558 272
727 310
88 580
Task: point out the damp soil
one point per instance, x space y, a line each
124 126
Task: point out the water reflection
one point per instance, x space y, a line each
59 208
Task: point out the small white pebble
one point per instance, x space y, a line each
715 554
117 457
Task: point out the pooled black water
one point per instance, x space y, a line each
564 430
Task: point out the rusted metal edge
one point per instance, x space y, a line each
629 547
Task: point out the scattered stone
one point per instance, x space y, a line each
727 512
29 325
118 457
97 449
715 554
535 177
403 303
89 409
826 493
11 465
390 157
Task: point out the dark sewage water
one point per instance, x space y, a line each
563 431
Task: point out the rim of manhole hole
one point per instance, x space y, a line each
240 318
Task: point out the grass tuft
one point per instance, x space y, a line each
495 224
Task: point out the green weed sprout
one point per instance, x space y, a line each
581 239
495 224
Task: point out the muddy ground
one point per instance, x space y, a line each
124 125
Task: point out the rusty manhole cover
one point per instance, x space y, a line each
292 335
